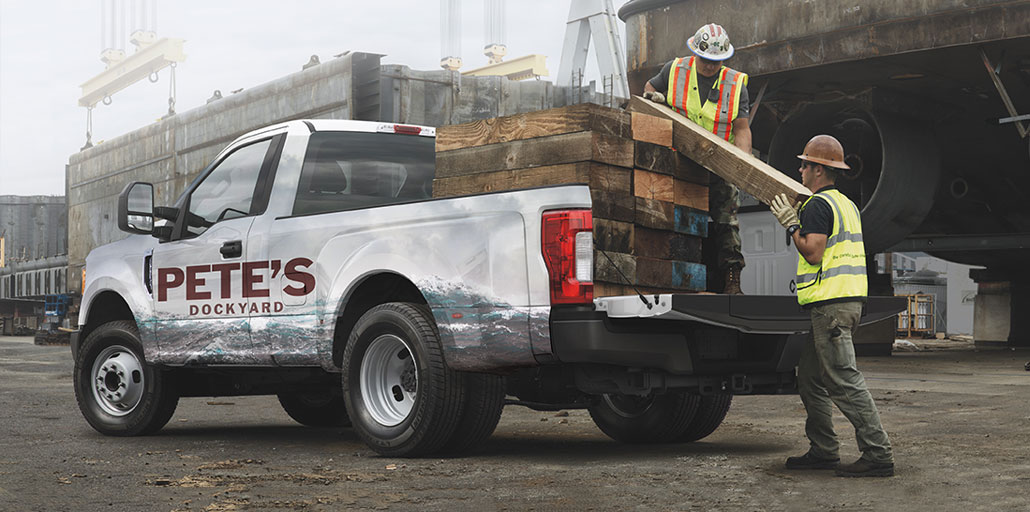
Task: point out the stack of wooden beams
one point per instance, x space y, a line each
649 202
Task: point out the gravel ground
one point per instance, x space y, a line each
959 420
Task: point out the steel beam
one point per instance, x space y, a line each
135 67
950 243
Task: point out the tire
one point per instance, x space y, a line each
644 420
118 393
484 402
320 408
709 416
402 399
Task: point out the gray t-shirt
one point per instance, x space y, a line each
704 83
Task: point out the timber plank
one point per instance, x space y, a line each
541 151
728 161
604 270
690 194
676 275
689 275
655 214
651 185
690 221
555 121
689 170
653 129
653 243
655 158
613 236
614 181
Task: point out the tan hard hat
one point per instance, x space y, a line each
826 150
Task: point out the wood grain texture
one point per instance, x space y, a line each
612 179
655 158
556 121
604 270
690 194
689 170
538 152
728 161
651 185
613 236
689 221
649 128
655 214
689 276
666 245
676 275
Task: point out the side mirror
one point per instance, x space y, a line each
136 208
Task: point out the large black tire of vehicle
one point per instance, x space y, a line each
709 416
158 399
439 396
645 420
316 408
484 402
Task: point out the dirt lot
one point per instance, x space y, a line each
959 421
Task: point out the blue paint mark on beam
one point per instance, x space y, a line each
689 275
691 221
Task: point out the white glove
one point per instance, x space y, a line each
784 212
655 96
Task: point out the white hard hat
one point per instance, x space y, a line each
711 42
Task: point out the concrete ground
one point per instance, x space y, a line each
959 420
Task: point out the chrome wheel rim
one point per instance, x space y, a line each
118 380
389 380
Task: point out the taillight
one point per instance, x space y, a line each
406 129
568 247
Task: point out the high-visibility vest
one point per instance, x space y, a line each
694 105
841 273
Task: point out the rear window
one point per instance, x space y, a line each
347 170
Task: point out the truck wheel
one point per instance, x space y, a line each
648 419
118 393
709 416
316 408
484 402
401 397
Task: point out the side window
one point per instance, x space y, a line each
347 170
227 192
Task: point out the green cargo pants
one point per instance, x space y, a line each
723 203
828 375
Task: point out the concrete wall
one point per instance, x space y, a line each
172 152
33 227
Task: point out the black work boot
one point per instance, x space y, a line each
808 461
731 284
863 467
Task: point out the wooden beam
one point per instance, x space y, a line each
556 121
655 158
651 185
690 194
666 245
655 214
605 271
541 151
613 236
689 221
648 128
728 161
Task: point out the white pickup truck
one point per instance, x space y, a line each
310 261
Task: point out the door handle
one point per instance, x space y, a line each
232 249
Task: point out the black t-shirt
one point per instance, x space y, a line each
817 216
704 83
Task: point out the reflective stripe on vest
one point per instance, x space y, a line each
687 100
842 271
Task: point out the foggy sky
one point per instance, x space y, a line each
49 48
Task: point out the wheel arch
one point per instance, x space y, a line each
370 291
106 306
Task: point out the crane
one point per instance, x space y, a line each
593 19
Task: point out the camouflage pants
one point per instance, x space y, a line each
828 375
723 203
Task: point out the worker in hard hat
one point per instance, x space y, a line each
831 284
714 96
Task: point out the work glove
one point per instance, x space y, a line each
655 96
784 212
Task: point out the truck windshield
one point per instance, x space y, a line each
348 170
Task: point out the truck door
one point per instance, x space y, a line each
204 289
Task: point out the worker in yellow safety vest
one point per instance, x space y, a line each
831 284
716 98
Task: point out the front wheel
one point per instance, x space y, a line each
644 419
118 393
401 397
